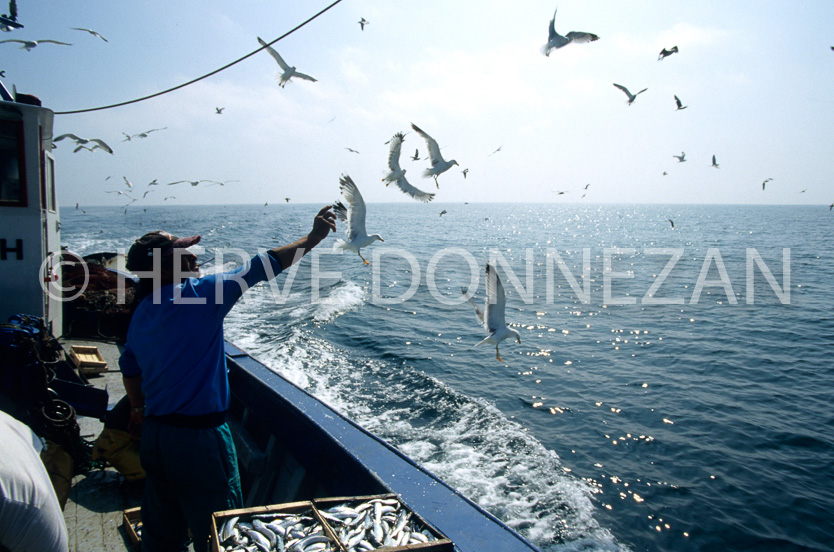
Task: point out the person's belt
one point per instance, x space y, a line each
213 419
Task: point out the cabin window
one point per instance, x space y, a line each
48 200
12 173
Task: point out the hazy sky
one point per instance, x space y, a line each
757 77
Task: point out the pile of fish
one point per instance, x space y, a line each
275 532
375 523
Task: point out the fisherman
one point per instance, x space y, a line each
174 371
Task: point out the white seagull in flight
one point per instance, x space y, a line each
89 31
631 97
492 317
438 164
354 216
29 44
397 173
81 142
288 72
555 40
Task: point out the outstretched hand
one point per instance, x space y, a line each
324 223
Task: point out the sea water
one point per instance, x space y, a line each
673 385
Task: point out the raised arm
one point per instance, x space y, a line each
323 224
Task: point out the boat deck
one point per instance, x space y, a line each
97 500
291 446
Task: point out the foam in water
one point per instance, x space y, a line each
344 297
467 443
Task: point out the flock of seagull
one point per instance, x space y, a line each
353 210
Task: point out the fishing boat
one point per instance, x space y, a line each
291 445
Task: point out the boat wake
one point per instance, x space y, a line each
467 442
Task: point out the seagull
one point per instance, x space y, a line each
192 182
216 183
89 31
169 197
465 172
354 215
803 191
288 72
351 150
555 40
219 110
443 212
397 174
631 97
80 147
586 186
671 222
681 158
832 205
666 53
287 199
128 182
766 180
145 134
362 22
680 105
29 44
438 164
83 141
714 162
496 151
416 156
492 317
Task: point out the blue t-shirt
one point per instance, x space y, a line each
176 344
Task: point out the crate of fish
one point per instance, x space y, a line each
290 527
379 522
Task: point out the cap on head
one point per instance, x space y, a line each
140 255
